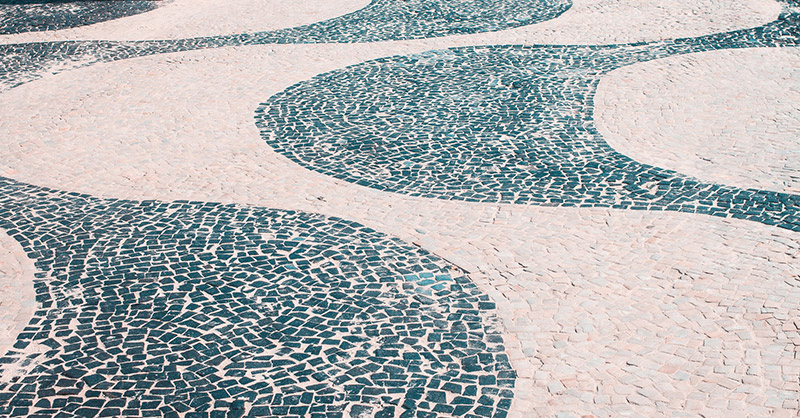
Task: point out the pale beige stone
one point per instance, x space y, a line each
586 22
728 116
665 309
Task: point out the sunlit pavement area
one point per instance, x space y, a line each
400 208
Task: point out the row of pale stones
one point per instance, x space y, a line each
605 311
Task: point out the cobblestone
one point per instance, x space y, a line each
701 136
17 297
492 307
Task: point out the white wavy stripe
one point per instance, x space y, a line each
178 19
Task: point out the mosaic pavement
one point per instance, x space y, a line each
19 16
400 208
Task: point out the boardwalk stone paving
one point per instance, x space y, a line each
18 16
411 209
511 125
160 308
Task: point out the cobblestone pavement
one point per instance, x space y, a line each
714 84
512 208
18 297
21 16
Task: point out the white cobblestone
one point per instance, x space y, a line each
728 116
586 22
606 312
588 302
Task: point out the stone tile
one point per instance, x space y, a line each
677 113
398 236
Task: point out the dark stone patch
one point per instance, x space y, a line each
385 20
494 124
156 309
17 16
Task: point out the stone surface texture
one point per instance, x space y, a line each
561 209
17 296
27 16
728 117
176 19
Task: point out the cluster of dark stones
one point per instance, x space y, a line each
160 309
504 124
413 19
17 16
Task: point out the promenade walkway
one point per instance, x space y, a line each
400 208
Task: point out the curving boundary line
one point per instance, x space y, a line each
25 62
505 124
20 16
162 308
726 116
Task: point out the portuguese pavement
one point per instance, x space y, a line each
400 208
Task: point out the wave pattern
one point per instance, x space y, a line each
162 308
158 308
18 16
492 124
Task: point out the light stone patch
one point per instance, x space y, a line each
606 312
586 22
623 21
642 314
729 116
17 296
195 18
